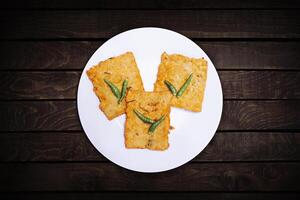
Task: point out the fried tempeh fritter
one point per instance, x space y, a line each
176 69
115 70
153 105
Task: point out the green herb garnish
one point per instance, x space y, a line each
171 87
119 95
113 88
123 93
173 90
154 124
184 86
143 117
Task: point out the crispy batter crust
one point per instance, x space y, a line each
153 105
116 70
176 68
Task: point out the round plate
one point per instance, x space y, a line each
192 132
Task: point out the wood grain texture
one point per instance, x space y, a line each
192 23
260 115
39 85
62 115
110 177
75 146
260 84
44 55
235 85
253 55
39 115
44 154
149 195
145 4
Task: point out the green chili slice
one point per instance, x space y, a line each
184 86
143 117
171 87
113 88
156 124
123 93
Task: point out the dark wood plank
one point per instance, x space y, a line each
62 115
41 55
235 84
260 84
149 195
48 146
253 55
75 146
192 23
260 115
39 85
46 55
39 115
145 4
110 177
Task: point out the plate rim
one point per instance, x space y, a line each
153 171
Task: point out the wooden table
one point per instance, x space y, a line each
254 44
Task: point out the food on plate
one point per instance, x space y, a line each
147 120
118 85
184 78
111 79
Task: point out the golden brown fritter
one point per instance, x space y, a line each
152 105
115 70
176 69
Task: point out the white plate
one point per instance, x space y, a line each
192 132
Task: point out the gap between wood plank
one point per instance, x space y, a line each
145 9
224 131
225 99
80 70
245 39
189 162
